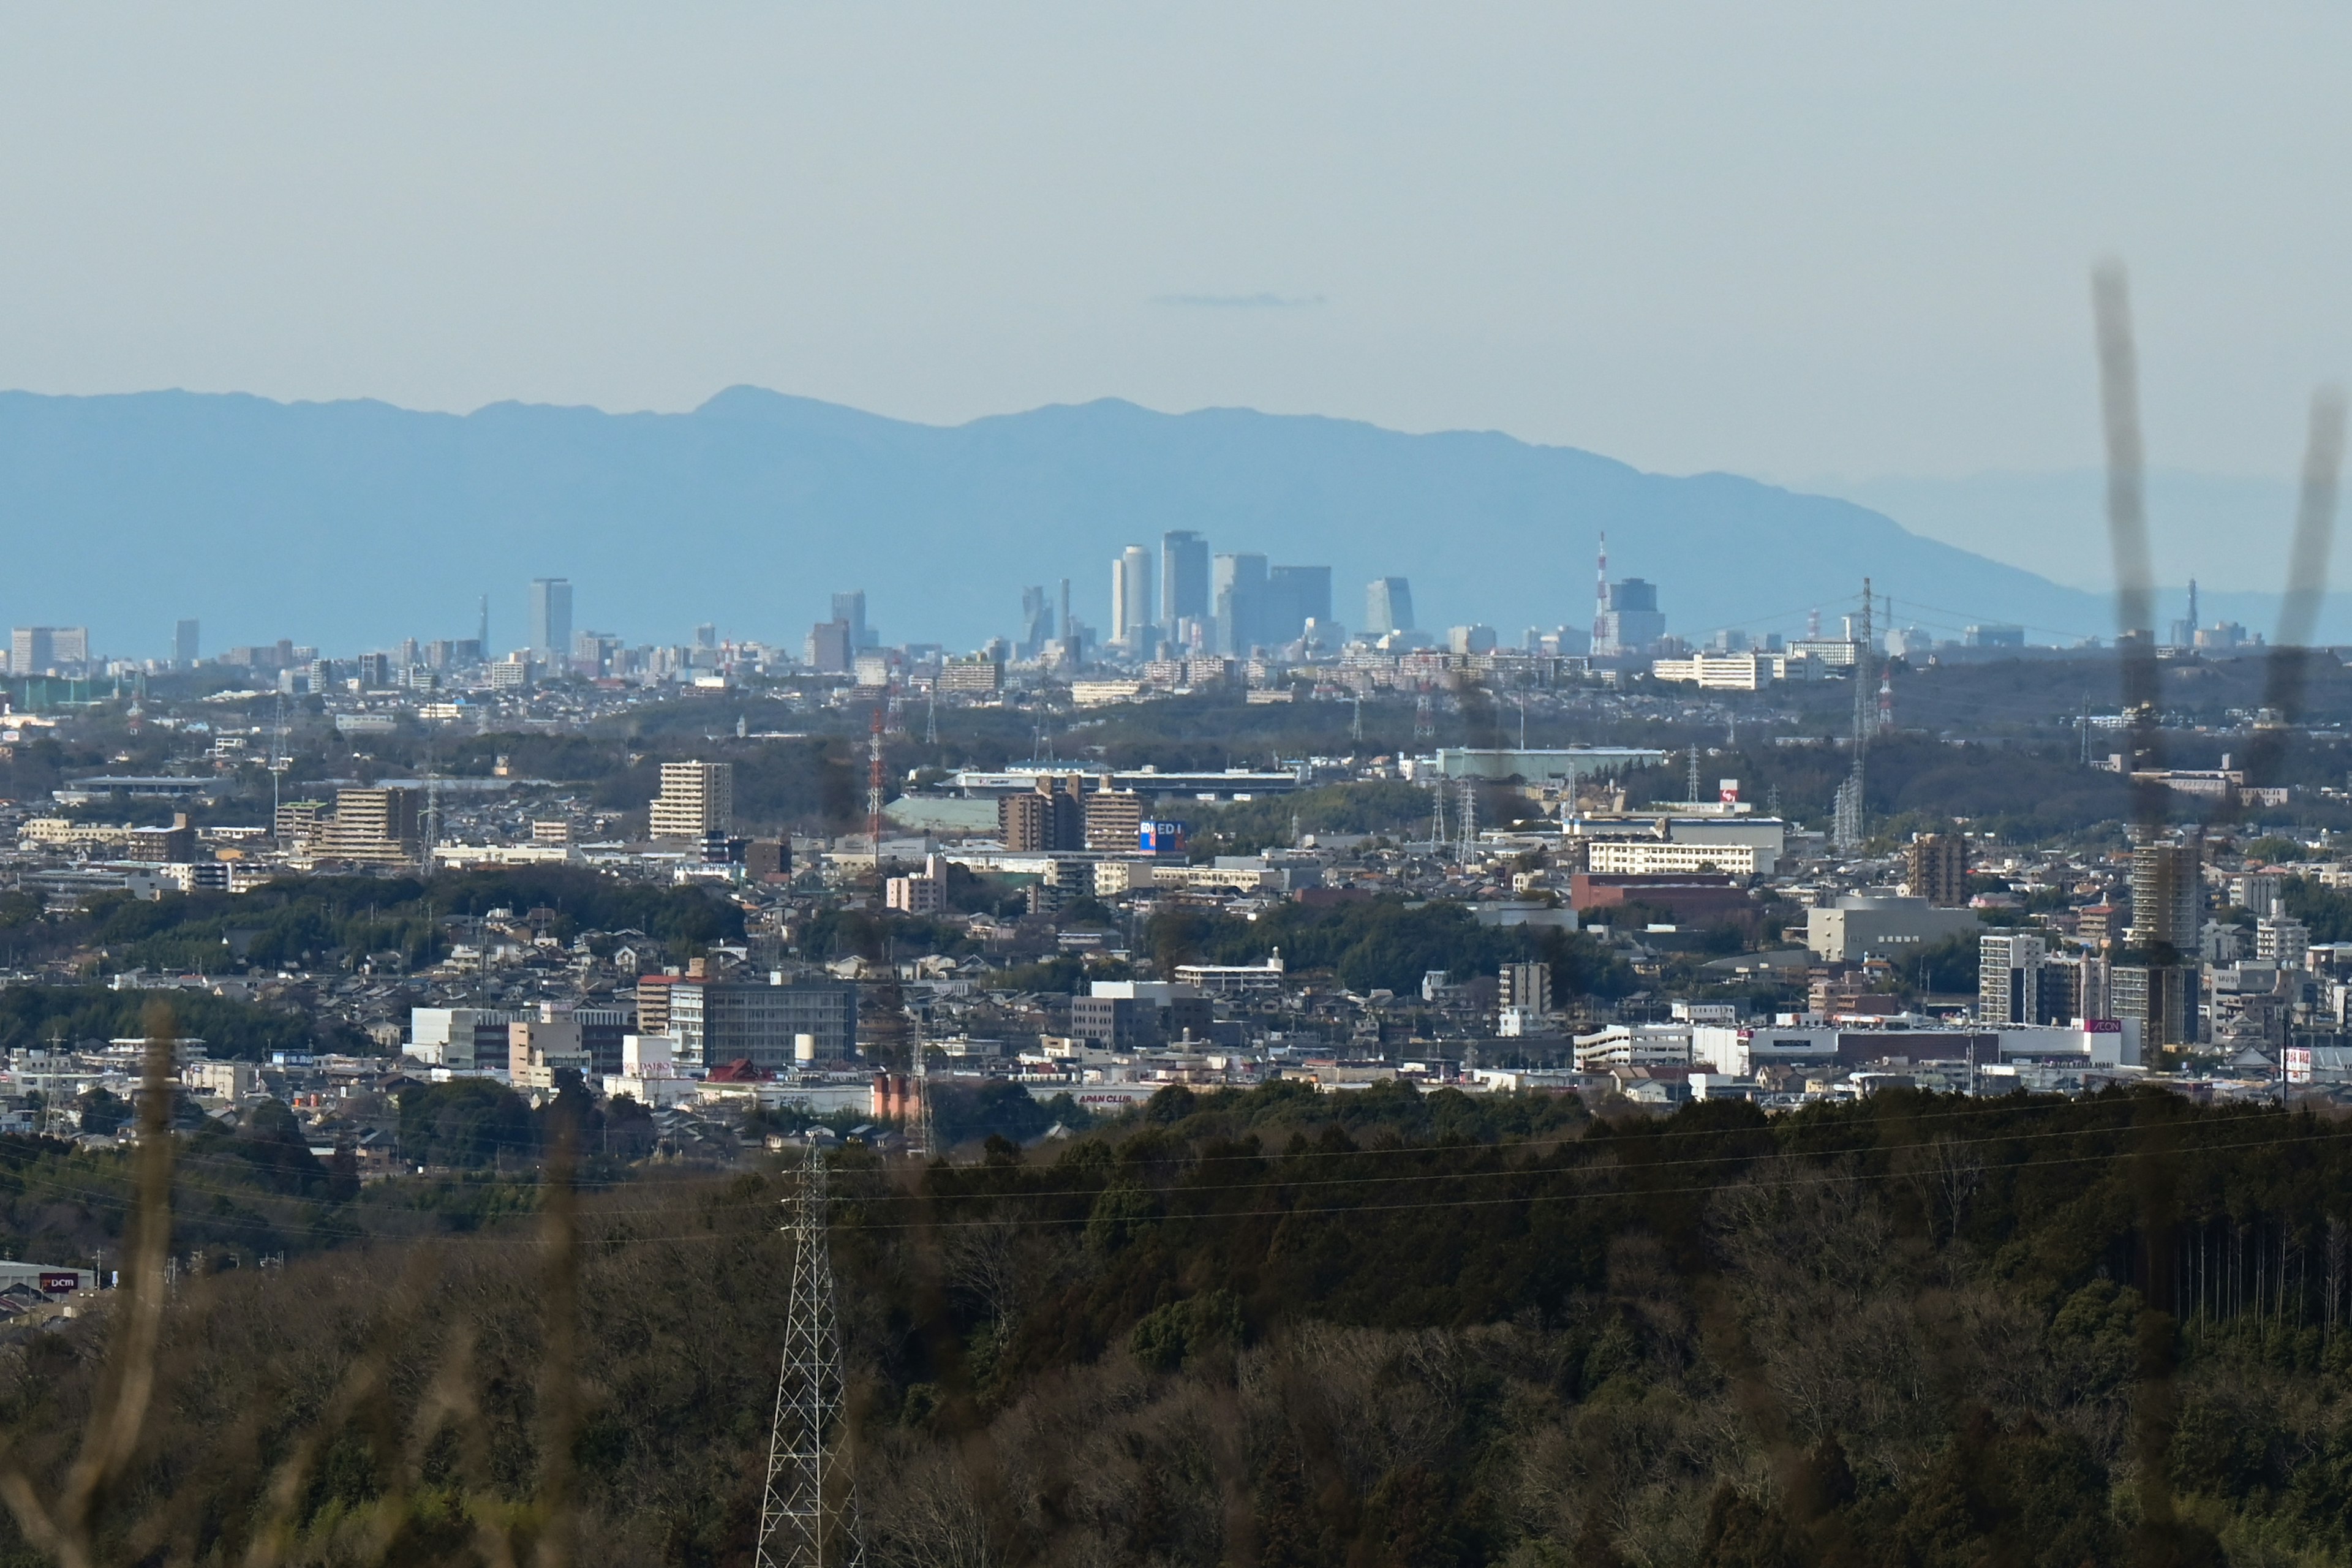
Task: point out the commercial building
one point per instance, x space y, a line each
1863 926
830 648
718 1022
1237 604
1132 1014
1695 896
462 1038
1132 604
1388 607
1295 596
372 828
538 1048
972 677
696 799
551 619
1183 580
849 609
1650 857
47 650
1635 1046
1629 621
1723 672
1739 1051
1936 868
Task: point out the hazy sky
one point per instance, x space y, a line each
1787 239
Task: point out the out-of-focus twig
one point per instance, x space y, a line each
65 1527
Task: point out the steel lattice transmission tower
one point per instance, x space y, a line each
808 1517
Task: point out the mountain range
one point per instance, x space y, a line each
352 524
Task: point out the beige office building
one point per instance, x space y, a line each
696 798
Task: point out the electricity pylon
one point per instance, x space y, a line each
808 1517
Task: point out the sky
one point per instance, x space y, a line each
1788 240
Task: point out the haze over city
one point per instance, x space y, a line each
1193 786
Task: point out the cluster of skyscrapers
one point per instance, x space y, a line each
1185 599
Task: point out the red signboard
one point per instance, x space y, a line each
59 1284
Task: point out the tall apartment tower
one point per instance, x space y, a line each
1936 865
1183 578
371 827
2160 980
697 798
1051 817
2168 887
550 618
2009 979
1388 607
183 644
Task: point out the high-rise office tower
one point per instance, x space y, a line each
1131 601
705 636
696 799
550 618
183 644
1630 621
1237 600
1388 607
1036 622
851 607
1183 578
1294 596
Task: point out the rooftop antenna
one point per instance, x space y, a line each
801 1526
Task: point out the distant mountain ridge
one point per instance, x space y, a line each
353 525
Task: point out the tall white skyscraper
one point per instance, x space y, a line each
1388 607
550 618
1132 607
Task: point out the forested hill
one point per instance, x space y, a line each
1301 1332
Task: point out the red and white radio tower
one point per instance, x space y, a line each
1886 699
